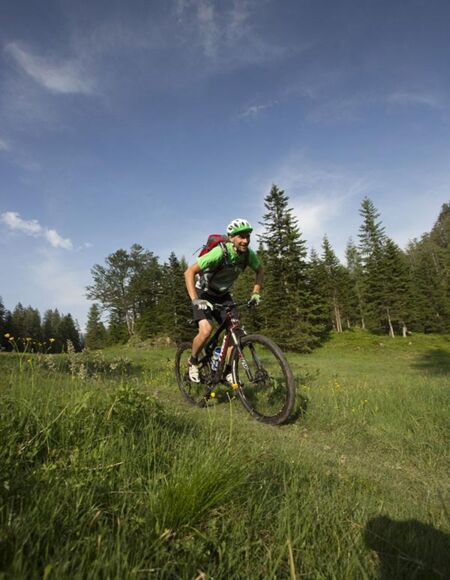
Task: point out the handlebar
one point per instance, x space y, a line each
230 305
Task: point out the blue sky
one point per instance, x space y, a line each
158 122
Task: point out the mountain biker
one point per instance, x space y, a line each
210 279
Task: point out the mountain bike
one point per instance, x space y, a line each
262 379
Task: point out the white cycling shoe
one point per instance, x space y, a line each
194 374
229 378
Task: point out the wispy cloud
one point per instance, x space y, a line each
253 111
33 228
322 196
64 77
4 146
428 100
225 34
355 107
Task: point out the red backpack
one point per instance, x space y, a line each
213 241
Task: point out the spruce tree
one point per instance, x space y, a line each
174 308
32 324
318 281
117 332
95 336
356 298
429 267
18 329
51 336
396 288
334 284
372 239
68 331
290 306
251 318
431 286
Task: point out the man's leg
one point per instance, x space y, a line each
204 330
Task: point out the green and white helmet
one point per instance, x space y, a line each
239 226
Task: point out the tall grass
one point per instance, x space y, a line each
106 475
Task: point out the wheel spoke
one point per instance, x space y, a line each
265 381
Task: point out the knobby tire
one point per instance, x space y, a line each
194 393
270 395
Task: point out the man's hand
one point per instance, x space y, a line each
255 299
202 304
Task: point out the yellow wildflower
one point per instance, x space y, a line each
11 338
7 335
51 339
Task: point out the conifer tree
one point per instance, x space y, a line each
334 285
32 324
174 306
251 318
290 306
396 287
117 332
51 331
68 331
372 239
429 260
318 281
24 324
17 324
95 337
356 302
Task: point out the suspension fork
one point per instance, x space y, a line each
239 356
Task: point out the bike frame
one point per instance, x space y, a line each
230 338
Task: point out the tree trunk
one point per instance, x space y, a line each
391 328
130 323
337 317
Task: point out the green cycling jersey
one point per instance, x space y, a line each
219 272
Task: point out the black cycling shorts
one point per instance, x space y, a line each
208 314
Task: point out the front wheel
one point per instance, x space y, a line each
194 393
265 384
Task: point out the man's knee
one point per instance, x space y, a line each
204 328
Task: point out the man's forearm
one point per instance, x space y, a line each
258 281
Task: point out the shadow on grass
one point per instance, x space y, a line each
300 409
225 396
408 549
435 361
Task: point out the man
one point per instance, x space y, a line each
210 279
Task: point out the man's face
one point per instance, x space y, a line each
241 242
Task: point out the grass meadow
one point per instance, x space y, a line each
105 472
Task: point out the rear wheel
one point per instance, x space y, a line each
265 382
194 393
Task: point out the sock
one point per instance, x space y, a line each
193 360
